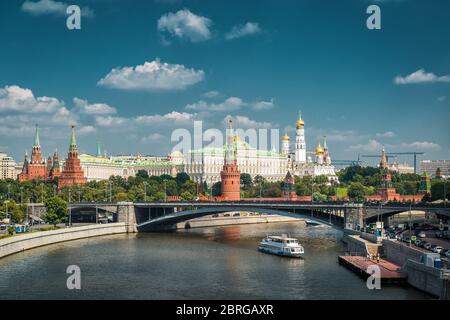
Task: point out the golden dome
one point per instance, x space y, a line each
300 123
285 137
319 149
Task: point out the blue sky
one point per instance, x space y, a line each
139 69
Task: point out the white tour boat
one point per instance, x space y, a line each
281 246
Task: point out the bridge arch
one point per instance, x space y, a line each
181 216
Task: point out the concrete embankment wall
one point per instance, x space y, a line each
224 221
24 242
427 279
354 245
420 276
399 253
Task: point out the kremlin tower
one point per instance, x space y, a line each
55 169
288 191
72 173
36 167
230 174
300 145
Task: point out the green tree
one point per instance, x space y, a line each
187 196
56 210
182 177
142 174
15 211
357 192
246 181
216 189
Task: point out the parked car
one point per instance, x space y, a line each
437 249
427 246
216 215
237 214
447 254
422 234
418 243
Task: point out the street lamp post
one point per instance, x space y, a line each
79 193
42 192
312 195
70 211
410 225
7 214
445 191
165 190
145 191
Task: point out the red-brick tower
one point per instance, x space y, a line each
56 169
288 191
49 167
36 167
230 174
383 161
72 173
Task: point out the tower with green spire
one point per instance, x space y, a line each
425 184
72 173
73 141
99 151
36 153
36 168
36 137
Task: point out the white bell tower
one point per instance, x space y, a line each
300 145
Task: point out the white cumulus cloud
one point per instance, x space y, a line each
170 117
243 122
15 98
230 104
371 146
96 108
387 134
43 7
185 25
263 105
421 145
243 30
153 76
420 76
211 94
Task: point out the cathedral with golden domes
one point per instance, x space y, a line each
317 163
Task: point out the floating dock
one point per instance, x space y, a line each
390 272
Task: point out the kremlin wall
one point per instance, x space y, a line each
72 172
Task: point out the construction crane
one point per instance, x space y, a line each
395 154
346 162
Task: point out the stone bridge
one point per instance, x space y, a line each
146 216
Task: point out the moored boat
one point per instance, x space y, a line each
281 246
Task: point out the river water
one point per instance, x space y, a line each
205 263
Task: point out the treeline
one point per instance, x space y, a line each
355 182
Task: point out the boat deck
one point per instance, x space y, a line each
389 271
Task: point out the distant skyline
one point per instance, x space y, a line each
137 70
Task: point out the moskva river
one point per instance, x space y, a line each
206 263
